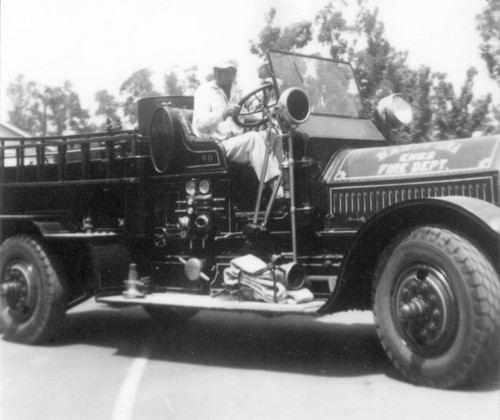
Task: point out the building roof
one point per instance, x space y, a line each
9 130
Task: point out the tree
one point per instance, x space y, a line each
181 83
191 80
107 104
137 86
488 24
291 38
335 32
26 113
107 107
44 110
173 86
65 110
458 116
381 69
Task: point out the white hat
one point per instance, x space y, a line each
225 64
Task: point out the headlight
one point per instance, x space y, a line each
394 111
191 187
204 186
293 106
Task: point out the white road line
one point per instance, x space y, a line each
169 406
124 404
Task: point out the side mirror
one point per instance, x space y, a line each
395 111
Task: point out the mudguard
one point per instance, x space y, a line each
470 217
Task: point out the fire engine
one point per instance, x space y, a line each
156 217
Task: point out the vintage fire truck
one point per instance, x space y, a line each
156 217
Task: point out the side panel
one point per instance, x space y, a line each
415 161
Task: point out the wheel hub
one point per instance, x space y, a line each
16 289
426 309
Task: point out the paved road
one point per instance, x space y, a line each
115 364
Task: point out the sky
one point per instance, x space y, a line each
98 44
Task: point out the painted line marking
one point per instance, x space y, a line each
169 406
124 404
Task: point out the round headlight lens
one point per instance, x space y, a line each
402 110
394 111
191 187
205 186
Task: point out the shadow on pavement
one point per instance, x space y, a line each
294 344
290 343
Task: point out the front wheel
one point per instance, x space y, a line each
437 309
32 298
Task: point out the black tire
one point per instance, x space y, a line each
169 316
32 297
437 309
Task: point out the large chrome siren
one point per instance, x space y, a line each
294 106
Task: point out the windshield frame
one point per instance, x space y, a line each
363 115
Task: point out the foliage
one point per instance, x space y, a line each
26 113
381 70
291 38
172 83
359 37
44 110
177 83
65 109
107 107
458 116
137 86
488 25
335 32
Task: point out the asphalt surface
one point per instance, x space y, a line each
117 364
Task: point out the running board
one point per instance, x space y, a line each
218 303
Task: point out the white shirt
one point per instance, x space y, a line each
209 102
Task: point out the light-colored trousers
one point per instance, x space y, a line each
250 148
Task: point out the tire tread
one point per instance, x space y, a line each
481 362
47 320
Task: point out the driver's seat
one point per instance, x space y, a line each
175 147
244 185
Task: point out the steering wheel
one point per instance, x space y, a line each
253 104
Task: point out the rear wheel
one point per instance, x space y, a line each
437 309
32 298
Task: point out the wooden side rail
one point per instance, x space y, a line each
43 154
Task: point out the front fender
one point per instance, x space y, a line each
482 212
477 220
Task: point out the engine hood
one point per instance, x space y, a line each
422 160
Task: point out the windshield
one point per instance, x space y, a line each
330 85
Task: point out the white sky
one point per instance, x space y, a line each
97 44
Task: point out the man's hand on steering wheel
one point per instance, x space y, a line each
231 111
252 106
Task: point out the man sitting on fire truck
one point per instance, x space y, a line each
215 103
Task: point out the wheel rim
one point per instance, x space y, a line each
425 309
18 289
